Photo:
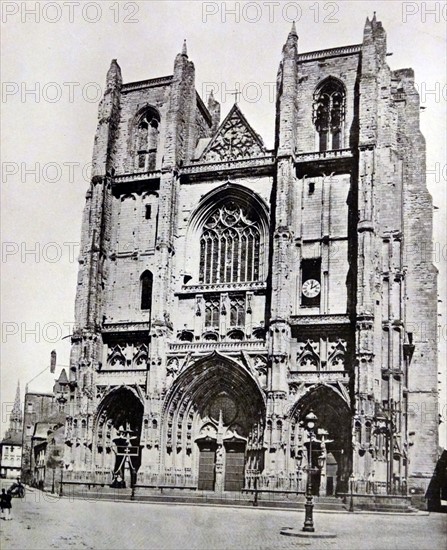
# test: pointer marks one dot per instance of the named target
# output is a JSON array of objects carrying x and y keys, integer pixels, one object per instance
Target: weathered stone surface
[{"x": 233, "y": 351}]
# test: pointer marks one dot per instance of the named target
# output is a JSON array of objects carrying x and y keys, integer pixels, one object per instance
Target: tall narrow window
[
  {"x": 329, "y": 112},
  {"x": 237, "y": 311},
  {"x": 146, "y": 290},
  {"x": 147, "y": 140},
  {"x": 230, "y": 246},
  {"x": 212, "y": 305}
]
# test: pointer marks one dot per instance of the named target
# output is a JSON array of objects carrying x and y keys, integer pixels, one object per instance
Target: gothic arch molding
[
  {"x": 215, "y": 400},
  {"x": 333, "y": 427}
]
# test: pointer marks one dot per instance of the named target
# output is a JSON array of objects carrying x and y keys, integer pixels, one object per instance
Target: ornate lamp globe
[{"x": 310, "y": 420}]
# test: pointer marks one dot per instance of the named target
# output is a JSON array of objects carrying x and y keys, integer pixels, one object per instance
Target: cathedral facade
[{"x": 226, "y": 290}]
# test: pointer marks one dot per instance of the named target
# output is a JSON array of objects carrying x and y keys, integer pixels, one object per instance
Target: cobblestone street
[{"x": 42, "y": 521}]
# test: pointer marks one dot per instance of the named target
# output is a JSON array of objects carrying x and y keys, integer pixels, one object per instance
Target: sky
[{"x": 55, "y": 56}]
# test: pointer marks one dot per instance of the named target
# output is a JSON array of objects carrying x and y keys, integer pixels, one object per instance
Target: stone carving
[
  {"x": 307, "y": 357},
  {"x": 336, "y": 358},
  {"x": 260, "y": 365},
  {"x": 127, "y": 356},
  {"x": 234, "y": 140}
]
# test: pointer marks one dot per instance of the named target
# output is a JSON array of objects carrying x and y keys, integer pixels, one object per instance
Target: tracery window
[
  {"x": 237, "y": 311},
  {"x": 147, "y": 140},
  {"x": 212, "y": 306},
  {"x": 329, "y": 114},
  {"x": 230, "y": 246}
]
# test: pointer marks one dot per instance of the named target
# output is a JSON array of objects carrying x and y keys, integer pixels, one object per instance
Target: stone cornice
[
  {"x": 313, "y": 156},
  {"x": 295, "y": 377},
  {"x": 144, "y": 84},
  {"x": 223, "y": 287},
  {"x": 325, "y": 319},
  {"x": 332, "y": 52},
  {"x": 138, "y": 176},
  {"x": 110, "y": 328},
  {"x": 237, "y": 346},
  {"x": 315, "y": 163},
  {"x": 246, "y": 166}
]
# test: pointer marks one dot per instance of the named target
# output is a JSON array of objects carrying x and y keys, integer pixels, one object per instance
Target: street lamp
[
  {"x": 309, "y": 423},
  {"x": 351, "y": 485}
]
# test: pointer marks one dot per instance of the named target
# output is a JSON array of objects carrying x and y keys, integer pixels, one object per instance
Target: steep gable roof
[{"x": 234, "y": 139}]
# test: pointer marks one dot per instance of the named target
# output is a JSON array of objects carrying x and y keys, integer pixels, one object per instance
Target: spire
[
  {"x": 293, "y": 30},
  {"x": 291, "y": 45},
  {"x": 17, "y": 409},
  {"x": 15, "y": 420},
  {"x": 374, "y": 18},
  {"x": 184, "y": 49}
]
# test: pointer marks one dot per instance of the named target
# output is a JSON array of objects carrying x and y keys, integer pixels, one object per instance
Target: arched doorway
[
  {"x": 331, "y": 456},
  {"x": 117, "y": 436},
  {"x": 213, "y": 425}
]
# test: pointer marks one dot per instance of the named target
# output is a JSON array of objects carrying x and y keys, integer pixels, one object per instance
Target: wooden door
[
  {"x": 207, "y": 467},
  {"x": 234, "y": 466}
]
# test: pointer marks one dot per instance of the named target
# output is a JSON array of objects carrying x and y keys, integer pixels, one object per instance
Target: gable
[{"x": 235, "y": 139}]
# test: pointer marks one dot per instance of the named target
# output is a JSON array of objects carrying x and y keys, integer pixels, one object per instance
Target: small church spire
[
  {"x": 184, "y": 49},
  {"x": 15, "y": 419},
  {"x": 17, "y": 409}
]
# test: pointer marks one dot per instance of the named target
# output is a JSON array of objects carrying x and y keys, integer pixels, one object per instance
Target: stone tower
[{"x": 226, "y": 290}]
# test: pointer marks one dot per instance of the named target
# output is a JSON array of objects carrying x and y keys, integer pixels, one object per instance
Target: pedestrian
[
  {"x": 3, "y": 503},
  {"x": 8, "y": 504}
]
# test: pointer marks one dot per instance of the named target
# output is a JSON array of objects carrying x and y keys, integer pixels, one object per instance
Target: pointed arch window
[
  {"x": 146, "y": 281},
  {"x": 329, "y": 114},
  {"x": 147, "y": 140},
  {"x": 230, "y": 246}
]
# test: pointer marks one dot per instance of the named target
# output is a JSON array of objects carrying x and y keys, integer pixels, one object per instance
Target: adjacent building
[
  {"x": 11, "y": 445},
  {"x": 43, "y": 428},
  {"x": 227, "y": 290}
]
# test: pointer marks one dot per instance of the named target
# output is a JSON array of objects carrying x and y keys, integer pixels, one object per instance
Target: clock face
[{"x": 311, "y": 288}]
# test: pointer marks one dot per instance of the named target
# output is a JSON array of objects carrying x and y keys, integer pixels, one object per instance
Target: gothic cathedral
[{"x": 226, "y": 290}]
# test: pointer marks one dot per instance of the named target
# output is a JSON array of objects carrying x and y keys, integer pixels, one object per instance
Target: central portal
[{"x": 215, "y": 423}]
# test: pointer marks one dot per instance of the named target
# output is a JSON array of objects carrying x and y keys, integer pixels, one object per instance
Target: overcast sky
[{"x": 64, "y": 57}]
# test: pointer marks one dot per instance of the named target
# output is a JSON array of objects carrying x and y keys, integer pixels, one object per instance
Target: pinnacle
[
  {"x": 184, "y": 49},
  {"x": 293, "y": 30}
]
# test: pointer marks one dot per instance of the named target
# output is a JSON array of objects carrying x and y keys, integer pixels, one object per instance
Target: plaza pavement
[{"x": 43, "y": 521}]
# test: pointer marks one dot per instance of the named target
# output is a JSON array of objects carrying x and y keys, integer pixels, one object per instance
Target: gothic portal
[{"x": 227, "y": 290}]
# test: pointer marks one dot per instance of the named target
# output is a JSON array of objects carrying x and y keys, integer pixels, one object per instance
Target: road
[{"x": 42, "y": 521}]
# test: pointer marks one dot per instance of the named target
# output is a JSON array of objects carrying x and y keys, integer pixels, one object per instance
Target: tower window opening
[
  {"x": 146, "y": 290},
  {"x": 329, "y": 114},
  {"x": 147, "y": 140}
]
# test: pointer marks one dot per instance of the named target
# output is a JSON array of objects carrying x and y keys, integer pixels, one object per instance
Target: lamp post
[
  {"x": 351, "y": 485},
  {"x": 61, "y": 491},
  {"x": 309, "y": 423}
]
